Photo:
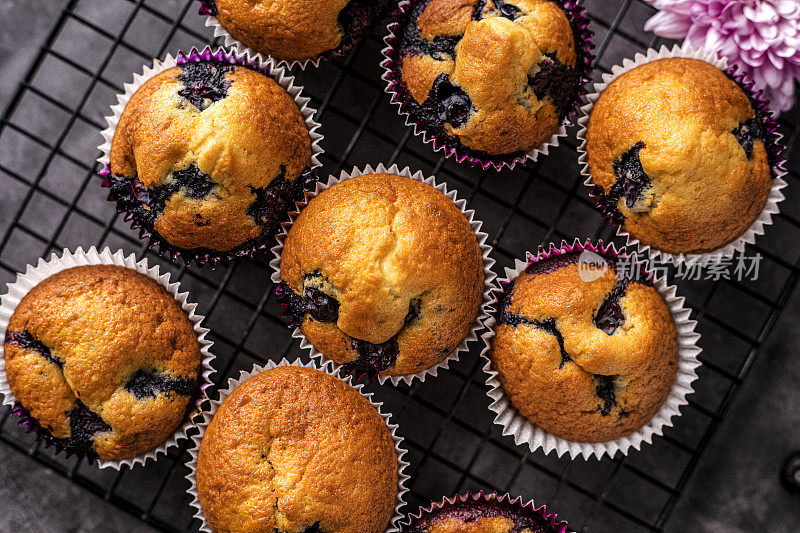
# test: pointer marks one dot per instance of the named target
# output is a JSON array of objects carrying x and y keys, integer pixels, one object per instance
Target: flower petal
[{"x": 669, "y": 25}]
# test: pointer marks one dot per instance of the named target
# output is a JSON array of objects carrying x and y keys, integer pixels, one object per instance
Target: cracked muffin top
[
  {"x": 210, "y": 156},
  {"x": 296, "y": 30},
  {"x": 104, "y": 360},
  {"x": 484, "y": 516},
  {"x": 678, "y": 151},
  {"x": 383, "y": 274},
  {"x": 589, "y": 358},
  {"x": 495, "y": 76},
  {"x": 293, "y": 449}
]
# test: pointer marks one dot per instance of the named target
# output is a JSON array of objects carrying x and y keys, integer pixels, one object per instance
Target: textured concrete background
[{"x": 735, "y": 489}]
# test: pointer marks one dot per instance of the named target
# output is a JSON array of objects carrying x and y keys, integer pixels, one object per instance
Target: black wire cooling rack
[{"x": 53, "y": 199}]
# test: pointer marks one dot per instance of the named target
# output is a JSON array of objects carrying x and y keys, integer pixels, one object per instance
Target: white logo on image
[{"x": 591, "y": 266}]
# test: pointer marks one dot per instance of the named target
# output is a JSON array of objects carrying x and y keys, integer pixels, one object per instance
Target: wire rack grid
[{"x": 52, "y": 199}]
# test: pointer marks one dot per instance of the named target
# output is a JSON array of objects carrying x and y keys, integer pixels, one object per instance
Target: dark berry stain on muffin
[
  {"x": 208, "y": 7},
  {"x": 414, "y": 308},
  {"x": 507, "y": 10},
  {"x": 372, "y": 358},
  {"x": 549, "y": 326},
  {"x": 275, "y": 199},
  {"x": 446, "y": 103},
  {"x": 413, "y": 42},
  {"x": 356, "y": 20},
  {"x": 25, "y": 340},
  {"x": 558, "y": 81},
  {"x": 610, "y": 316},
  {"x": 605, "y": 389},
  {"x": 750, "y": 131},
  {"x": 147, "y": 203},
  {"x": 294, "y": 306},
  {"x": 83, "y": 425},
  {"x": 546, "y": 325},
  {"x": 148, "y": 383},
  {"x": 631, "y": 181},
  {"x": 204, "y": 83},
  {"x": 269, "y": 206},
  {"x": 319, "y": 305},
  {"x": 192, "y": 182}
]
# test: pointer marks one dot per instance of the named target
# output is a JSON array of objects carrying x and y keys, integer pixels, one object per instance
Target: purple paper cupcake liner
[
  {"x": 44, "y": 269},
  {"x": 470, "y": 507},
  {"x": 525, "y": 432},
  {"x": 452, "y": 146},
  {"x": 364, "y": 25},
  {"x": 156, "y": 242},
  {"x": 774, "y": 147}
]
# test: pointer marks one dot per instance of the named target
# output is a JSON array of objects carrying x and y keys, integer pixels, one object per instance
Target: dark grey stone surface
[
  {"x": 736, "y": 487},
  {"x": 23, "y": 26},
  {"x": 34, "y": 498}
]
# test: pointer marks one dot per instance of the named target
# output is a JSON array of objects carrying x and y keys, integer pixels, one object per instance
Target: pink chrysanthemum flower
[{"x": 761, "y": 37}]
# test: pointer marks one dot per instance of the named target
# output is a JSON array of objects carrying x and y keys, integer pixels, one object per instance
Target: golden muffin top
[
  {"x": 104, "y": 359},
  {"x": 293, "y": 448},
  {"x": 497, "y": 76},
  {"x": 678, "y": 153},
  {"x": 383, "y": 273},
  {"x": 586, "y": 358},
  {"x": 210, "y": 156},
  {"x": 296, "y": 30}
]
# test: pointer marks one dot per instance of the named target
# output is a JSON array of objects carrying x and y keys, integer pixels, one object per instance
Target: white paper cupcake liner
[
  {"x": 525, "y": 432},
  {"x": 503, "y": 502},
  {"x": 474, "y": 157},
  {"x": 208, "y": 414},
  {"x": 488, "y": 275},
  {"x": 220, "y": 55},
  {"x": 774, "y": 148},
  {"x": 34, "y": 275}
]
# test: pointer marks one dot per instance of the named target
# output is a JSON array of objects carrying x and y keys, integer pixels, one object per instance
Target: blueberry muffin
[
  {"x": 383, "y": 274},
  {"x": 294, "y": 449},
  {"x": 677, "y": 152},
  {"x": 296, "y": 30},
  {"x": 588, "y": 355},
  {"x": 483, "y": 515},
  {"x": 103, "y": 361},
  {"x": 497, "y": 77},
  {"x": 209, "y": 157}
]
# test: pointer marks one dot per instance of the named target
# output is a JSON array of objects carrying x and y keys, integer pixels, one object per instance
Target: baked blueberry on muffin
[
  {"x": 495, "y": 77},
  {"x": 209, "y": 157},
  {"x": 383, "y": 274},
  {"x": 676, "y": 150},
  {"x": 102, "y": 361},
  {"x": 294, "y": 449},
  {"x": 588, "y": 354},
  {"x": 296, "y": 30},
  {"x": 483, "y": 514}
]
